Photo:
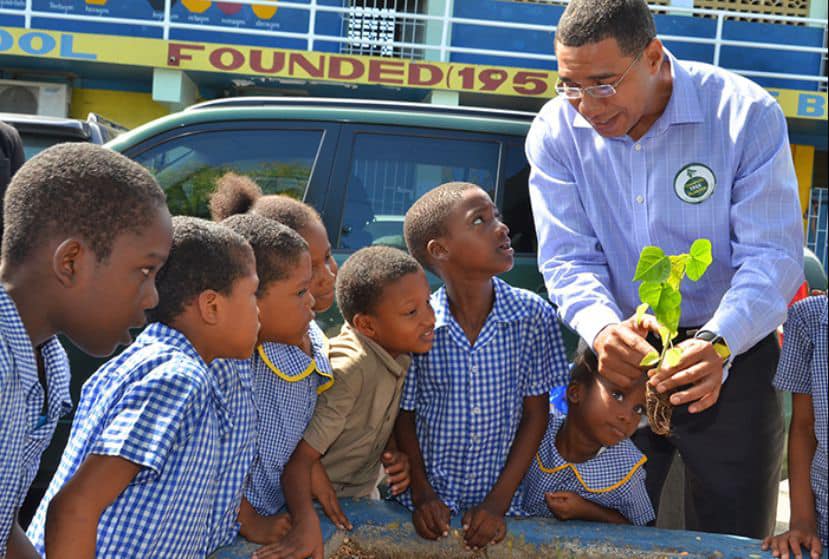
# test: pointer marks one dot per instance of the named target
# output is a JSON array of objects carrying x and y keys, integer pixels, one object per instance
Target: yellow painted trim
[
  {"x": 621, "y": 482},
  {"x": 804, "y": 166}
]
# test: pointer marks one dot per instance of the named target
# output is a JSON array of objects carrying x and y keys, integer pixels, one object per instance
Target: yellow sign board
[{"x": 318, "y": 66}]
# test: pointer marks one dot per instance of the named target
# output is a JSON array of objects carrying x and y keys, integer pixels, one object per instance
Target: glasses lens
[
  {"x": 568, "y": 92},
  {"x": 604, "y": 90}
]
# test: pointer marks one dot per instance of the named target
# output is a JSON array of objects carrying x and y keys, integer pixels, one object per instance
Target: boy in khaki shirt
[{"x": 383, "y": 295}]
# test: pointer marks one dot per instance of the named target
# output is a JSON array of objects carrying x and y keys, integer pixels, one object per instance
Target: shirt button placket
[{"x": 638, "y": 186}]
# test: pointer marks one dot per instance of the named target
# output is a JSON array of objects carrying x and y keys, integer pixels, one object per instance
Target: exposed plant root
[{"x": 659, "y": 411}]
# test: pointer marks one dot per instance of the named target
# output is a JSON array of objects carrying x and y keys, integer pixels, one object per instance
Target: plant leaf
[
  {"x": 640, "y": 313},
  {"x": 667, "y": 308},
  {"x": 653, "y": 265},
  {"x": 665, "y": 335},
  {"x": 673, "y": 356},
  {"x": 700, "y": 259},
  {"x": 649, "y": 360},
  {"x": 723, "y": 351},
  {"x": 678, "y": 263}
]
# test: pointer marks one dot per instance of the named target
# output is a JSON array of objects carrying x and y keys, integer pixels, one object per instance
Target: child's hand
[
  {"x": 323, "y": 491},
  {"x": 302, "y": 541},
  {"x": 483, "y": 526},
  {"x": 566, "y": 505},
  {"x": 431, "y": 519},
  {"x": 794, "y": 539},
  {"x": 396, "y": 465}
]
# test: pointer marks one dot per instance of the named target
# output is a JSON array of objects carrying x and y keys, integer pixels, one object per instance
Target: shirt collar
[
  {"x": 683, "y": 106},
  {"x": 18, "y": 341},
  {"x": 504, "y": 308},
  {"x": 56, "y": 365},
  {"x": 397, "y": 366}
]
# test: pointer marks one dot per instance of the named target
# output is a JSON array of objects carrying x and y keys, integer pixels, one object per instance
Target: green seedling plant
[{"x": 661, "y": 276}]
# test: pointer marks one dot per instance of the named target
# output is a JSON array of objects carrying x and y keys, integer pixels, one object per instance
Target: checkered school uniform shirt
[
  {"x": 614, "y": 478},
  {"x": 238, "y": 448},
  {"x": 468, "y": 400},
  {"x": 26, "y": 429},
  {"x": 158, "y": 406},
  {"x": 286, "y": 382},
  {"x": 803, "y": 369}
]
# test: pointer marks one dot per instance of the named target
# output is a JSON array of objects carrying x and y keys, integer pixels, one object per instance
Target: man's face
[{"x": 604, "y": 63}]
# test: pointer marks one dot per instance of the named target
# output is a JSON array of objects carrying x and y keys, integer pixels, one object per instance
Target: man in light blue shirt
[{"x": 641, "y": 149}]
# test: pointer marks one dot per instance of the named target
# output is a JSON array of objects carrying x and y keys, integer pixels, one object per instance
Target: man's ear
[
  {"x": 575, "y": 391},
  {"x": 68, "y": 261},
  {"x": 364, "y": 324},
  {"x": 209, "y": 304},
  {"x": 436, "y": 250},
  {"x": 654, "y": 55}
]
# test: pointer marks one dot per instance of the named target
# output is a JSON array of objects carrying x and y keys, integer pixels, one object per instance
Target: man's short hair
[
  {"x": 204, "y": 255},
  {"x": 277, "y": 247},
  {"x": 590, "y": 21},
  {"x": 77, "y": 189},
  {"x": 366, "y": 273},
  {"x": 427, "y": 218}
]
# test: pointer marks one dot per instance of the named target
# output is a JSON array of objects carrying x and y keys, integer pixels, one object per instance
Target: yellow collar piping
[
  {"x": 616, "y": 485},
  {"x": 311, "y": 368}
]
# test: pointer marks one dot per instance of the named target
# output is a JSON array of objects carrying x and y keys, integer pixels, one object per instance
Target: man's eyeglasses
[{"x": 595, "y": 91}]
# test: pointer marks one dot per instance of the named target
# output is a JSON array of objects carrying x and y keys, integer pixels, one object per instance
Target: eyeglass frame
[{"x": 561, "y": 89}]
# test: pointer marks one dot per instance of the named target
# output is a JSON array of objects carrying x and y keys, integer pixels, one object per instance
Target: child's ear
[
  {"x": 68, "y": 261},
  {"x": 209, "y": 303},
  {"x": 364, "y": 324},
  {"x": 574, "y": 393},
  {"x": 436, "y": 250}
]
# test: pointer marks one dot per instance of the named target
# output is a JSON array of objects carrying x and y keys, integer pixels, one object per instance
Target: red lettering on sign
[
  {"x": 377, "y": 69},
  {"x": 277, "y": 62},
  {"x": 337, "y": 68},
  {"x": 424, "y": 75},
  {"x": 176, "y": 54},
  {"x": 298, "y": 59},
  {"x": 237, "y": 59}
]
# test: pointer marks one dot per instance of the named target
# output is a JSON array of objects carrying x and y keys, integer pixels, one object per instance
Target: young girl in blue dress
[{"x": 586, "y": 467}]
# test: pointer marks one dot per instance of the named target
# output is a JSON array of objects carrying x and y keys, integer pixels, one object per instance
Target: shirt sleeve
[
  {"x": 153, "y": 417},
  {"x": 570, "y": 256},
  {"x": 793, "y": 370},
  {"x": 408, "y": 398},
  {"x": 634, "y": 503},
  {"x": 334, "y": 405},
  {"x": 12, "y": 436},
  {"x": 548, "y": 358},
  {"x": 766, "y": 232}
]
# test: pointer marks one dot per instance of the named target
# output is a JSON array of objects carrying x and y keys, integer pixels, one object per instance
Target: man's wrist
[{"x": 719, "y": 343}]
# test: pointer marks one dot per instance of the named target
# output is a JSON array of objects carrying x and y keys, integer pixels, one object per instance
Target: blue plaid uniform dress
[
  {"x": 237, "y": 448},
  {"x": 286, "y": 382},
  {"x": 803, "y": 369},
  {"x": 614, "y": 478},
  {"x": 25, "y": 430},
  {"x": 468, "y": 400},
  {"x": 158, "y": 406}
]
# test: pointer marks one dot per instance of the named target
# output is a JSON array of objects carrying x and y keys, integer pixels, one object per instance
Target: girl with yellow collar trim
[{"x": 586, "y": 467}]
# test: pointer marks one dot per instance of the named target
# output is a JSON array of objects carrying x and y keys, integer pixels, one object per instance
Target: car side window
[
  {"x": 389, "y": 172},
  {"x": 187, "y": 166},
  {"x": 515, "y": 202}
]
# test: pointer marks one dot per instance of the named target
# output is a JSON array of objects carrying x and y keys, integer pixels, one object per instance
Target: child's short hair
[
  {"x": 204, "y": 256},
  {"x": 237, "y": 194},
  {"x": 585, "y": 365},
  {"x": 427, "y": 218},
  {"x": 77, "y": 189},
  {"x": 364, "y": 275},
  {"x": 277, "y": 247}
]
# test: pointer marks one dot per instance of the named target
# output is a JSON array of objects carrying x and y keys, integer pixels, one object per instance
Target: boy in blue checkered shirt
[
  {"x": 475, "y": 407},
  {"x": 85, "y": 232},
  {"x": 803, "y": 371},
  {"x": 586, "y": 467},
  {"x": 156, "y": 460}
]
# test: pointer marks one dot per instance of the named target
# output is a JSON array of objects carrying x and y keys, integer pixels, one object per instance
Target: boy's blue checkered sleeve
[
  {"x": 794, "y": 367},
  {"x": 12, "y": 437},
  {"x": 408, "y": 399},
  {"x": 548, "y": 365},
  {"x": 152, "y": 417}
]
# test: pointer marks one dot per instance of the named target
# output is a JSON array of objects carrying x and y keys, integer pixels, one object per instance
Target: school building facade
[{"x": 135, "y": 60}]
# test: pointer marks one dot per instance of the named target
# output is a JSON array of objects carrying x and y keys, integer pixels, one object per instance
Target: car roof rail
[{"x": 266, "y": 101}]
